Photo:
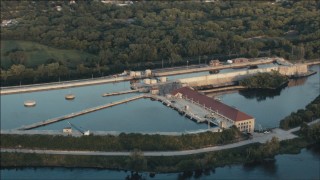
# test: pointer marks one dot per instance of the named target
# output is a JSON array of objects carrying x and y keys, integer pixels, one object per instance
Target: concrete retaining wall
[{"x": 236, "y": 76}]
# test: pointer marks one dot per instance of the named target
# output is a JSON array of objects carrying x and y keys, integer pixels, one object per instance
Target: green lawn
[{"x": 37, "y": 54}]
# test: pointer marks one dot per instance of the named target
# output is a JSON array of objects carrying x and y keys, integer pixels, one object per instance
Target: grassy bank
[
  {"x": 155, "y": 164},
  {"x": 240, "y": 155},
  {"x": 123, "y": 142},
  {"x": 138, "y": 162}
]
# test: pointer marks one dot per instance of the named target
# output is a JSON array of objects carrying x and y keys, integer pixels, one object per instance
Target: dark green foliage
[
  {"x": 267, "y": 150},
  {"x": 154, "y": 164},
  {"x": 143, "y": 34},
  {"x": 296, "y": 119},
  {"x": 311, "y": 133},
  {"x": 265, "y": 80},
  {"x": 245, "y": 154},
  {"x": 123, "y": 142}
]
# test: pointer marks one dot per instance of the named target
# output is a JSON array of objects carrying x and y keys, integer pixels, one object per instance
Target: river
[
  {"x": 304, "y": 165},
  {"x": 269, "y": 108},
  {"x": 147, "y": 116}
]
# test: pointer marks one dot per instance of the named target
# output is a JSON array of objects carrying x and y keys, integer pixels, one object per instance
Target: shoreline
[
  {"x": 241, "y": 150},
  {"x": 107, "y": 79}
]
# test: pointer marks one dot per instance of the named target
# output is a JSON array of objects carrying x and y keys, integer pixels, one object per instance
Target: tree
[
  {"x": 17, "y": 70},
  {"x": 137, "y": 161},
  {"x": 4, "y": 75}
]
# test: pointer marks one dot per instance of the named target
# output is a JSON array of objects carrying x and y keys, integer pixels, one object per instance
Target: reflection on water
[
  {"x": 314, "y": 150},
  {"x": 297, "y": 82},
  {"x": 269, "y": 166},
  {"x": 260, "y": 95},
  {"x": 304, "y": 165},
  {"x": 269, "y": 108},
  {"x": 263, "y": 94}
]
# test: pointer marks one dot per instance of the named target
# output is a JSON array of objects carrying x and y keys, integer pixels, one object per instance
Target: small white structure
[
  {"x": 153, "y": 81},
  {"x": 229, "y": 61},
  {"x": 59, "y": 8},
  {"x": 169, "y": 96},
  {"x": 147, "y": 81},
  {"x": 132, "y": 74},
  {"x": 163, "y": 79},
  {"x": 138, "y": 73},
  {"x": 148, "y": 72},
  {"x": 70, "y": 97},
  {"x": 67, "y": 130},
  {"x": 30, "y": 103},
  {"x": 154, "y": 91},
  {"x": 86, "y": 133},
  {"x": 135, "y": 73}
]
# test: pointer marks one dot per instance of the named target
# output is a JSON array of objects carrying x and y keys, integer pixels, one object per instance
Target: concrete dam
[{"x": 227, "y": 78}]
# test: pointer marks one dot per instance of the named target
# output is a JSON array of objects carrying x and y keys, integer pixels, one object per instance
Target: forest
[
  {"x": 124, "y": 142},
  {"x": 144, "y": 34},
  {"x": 301, "y": 116}
]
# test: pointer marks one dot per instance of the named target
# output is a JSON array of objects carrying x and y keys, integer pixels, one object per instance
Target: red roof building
[{"x": 242, "y": 120}]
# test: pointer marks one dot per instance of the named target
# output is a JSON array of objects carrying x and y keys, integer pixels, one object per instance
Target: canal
[
  {"x": 145, "y": 115},
  {"x": 270, "y": 107},
  {"x": 151, "y": 116}
]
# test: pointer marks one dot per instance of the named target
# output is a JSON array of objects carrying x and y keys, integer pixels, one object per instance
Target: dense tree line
[
  {"x": 272, "y": 80},
  {"x": 145, "y": 33},
  {"x": 295, "y": 119},
  {"x": 311, "y": 133},
  {"x": 123, "y": 142},
  {"x": 267, "y": 150},
  {"x": 199, "y": 163}
]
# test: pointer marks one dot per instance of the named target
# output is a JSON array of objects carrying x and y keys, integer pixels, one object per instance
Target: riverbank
[
  {"x": 239, "y": 155},
  {"x": 165, "y": 161}
]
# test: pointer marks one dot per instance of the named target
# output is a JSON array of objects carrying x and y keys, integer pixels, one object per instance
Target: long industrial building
[{"x": 243, "y": 121}]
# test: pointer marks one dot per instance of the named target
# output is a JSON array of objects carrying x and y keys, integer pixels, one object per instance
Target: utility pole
[
  {"x": 162, "y": 63},
  {"x": 199, "y": 59}
]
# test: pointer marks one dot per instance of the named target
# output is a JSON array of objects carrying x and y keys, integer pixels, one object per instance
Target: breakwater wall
[{"x": 216, "y": 79}]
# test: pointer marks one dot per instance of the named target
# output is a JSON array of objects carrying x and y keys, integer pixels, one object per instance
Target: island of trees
[
  {"x": 58, "y": 40},
  {"x": 271, "y": 81}
]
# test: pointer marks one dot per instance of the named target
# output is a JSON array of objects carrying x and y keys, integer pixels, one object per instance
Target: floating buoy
[
  {"x": 70, "y": 97},
  {"x": 29, "y": 103}
]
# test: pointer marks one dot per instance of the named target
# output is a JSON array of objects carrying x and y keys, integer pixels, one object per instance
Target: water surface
[{"x": 304, "y": 165}]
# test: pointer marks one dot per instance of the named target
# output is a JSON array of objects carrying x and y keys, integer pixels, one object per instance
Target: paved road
[
  {"x": 261, "y": 138},
  {"x": 110, "y": 79}
]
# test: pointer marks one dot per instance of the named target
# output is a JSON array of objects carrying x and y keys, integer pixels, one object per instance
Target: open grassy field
[{"x": 36, "y": 54}]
